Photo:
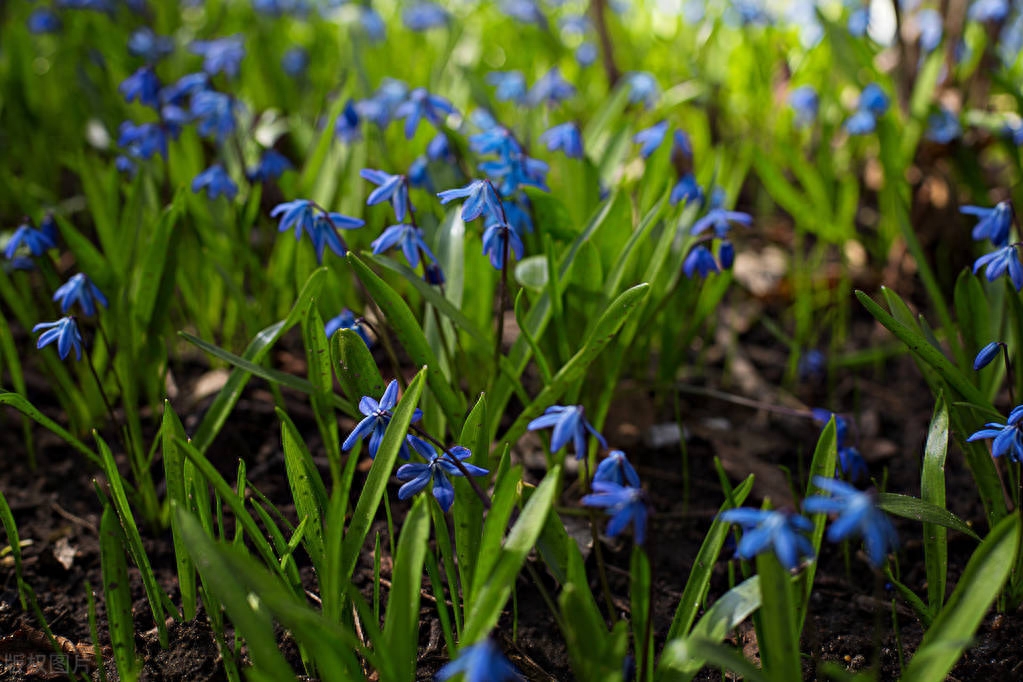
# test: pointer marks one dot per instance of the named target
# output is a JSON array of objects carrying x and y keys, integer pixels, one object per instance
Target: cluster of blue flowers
[
  {"x": 994, "y": 225},
  {"x": 1008, "y": 437}
]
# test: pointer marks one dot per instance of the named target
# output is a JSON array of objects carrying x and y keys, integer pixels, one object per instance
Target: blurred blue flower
[
  {"x": 518, "y": 214},
  {"x": 570, "y": 425},
  {"x": 526, "y": 11},
  {"x": 346, "y": 320},
  {"x": 873, "y": 99},
  {"x": 565, "y": 137},
  {"x": 347, "y": 125},
  {"x": 439, "y": 149},
  {"x": 372, "y": 23},
  {"x": 643, "y": 88},
  {"x": 389, "y": 187},
  {"x": 81, "y": 290},
  {"x": 215, "y": 112},
  {"x": 999, "y": 262},
  {"x": 220, "y": 55},
  {"x": 852, "y": 464},
  {"x": 480, "y": 662},
  {"x": 931, "y": 26},
  {"x": 421, "y": 104},
  {"x": 615, "y": 468},
  {"x": 511, "y": 85},
  {"x": 497, "y": 239},
  {"x": 494, "y": 140},
  {"x": 271, "y": 166},
  {"x": 986, "y": 355},
  {"x": 145, "y": 43},
  {"x": 651, "y": 138},
  {"x": 943, "y": 126},
  {"x": 480, "y": 200},
  {"x": 419, "y": 174},
  {"x": 187, "y": 85},
  {"x": 36, "y": 241},
  {"x": 43, "y": 20},
  {"x": 408, "y": 238},
  {"x": 384, "y": 102},
  {"x": 142, "y": 85},
  {"x": 586, "y": 54},
  {"x": 726, "y": 254},
  {"x": 778, "y": 531},
  {"x": 1008, "y": 437},
  {"x": 994, "y": 223},
  {"x": 550, "y": 89},
  {"x": 682, "y": 145},
  {"x": 422, "y": 16},
  {"x": 144, "y": 140},
  {"x": 859, "y": 20},
  {"x": 861, "y": 123},
  {"x": 700, "y": 260},
  {"x": 822, "y": 417},
  {"x": 812, "y": 365},
  {"x": 295, "y": 61},
  {"x": 417, "y": 476},
  {"x": 377, "y": 417},
  {"x": 625, "y": 504},
  {"x": 805, "y": 102},
  {"x": 125, "y": 165},
  {"x": 857, "y": 515},
  {"x": 721, "y": 221},
  {"x": 988, "y": 10},
  {"x": 64, "y": 332},
  {"x": 215, "y": 181},
  {"x": 686, "y": 189}
]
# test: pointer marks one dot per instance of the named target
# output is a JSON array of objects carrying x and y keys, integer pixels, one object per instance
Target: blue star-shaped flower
[
  {"x": 642, "y": 88},
  {"x": 215, "y": 113},
  {"x": 615, "y": 468},
  {"x": 999, "y": 262},
  {"x": 81, "y": 290},
  {"x": 36, "y": 241},
  {"x": 857, "y": 515},
  {"x": 408, "y": 237},
  {"x": 651, "y": 138},
  {"x": 143, "y": 85},
  {"x": 1008, "y": 437},
  {"x": 377, "y": 417},
  {"x": 700, "y": 260},
  {"x": 570, "y": 424},
  {"x": 686, "y": 189},
  {"x": 510, "y": 85},
  {"x": 271, "y": 166},
  {"x": 481, "y": 200},
  {"x": 994, "y": 223},
  {"x": 389, "y": 186},
  {"x": 144, "y": 140},
  {"x": 417, "y": 476},
  {"x": 480, "y": 662},
  {"x": 145, "y": 43},
  {"x": 322, "y": 227},
  {"x": 421, "y": 104},
  {"x": 64, "y": 332},
  {"x": 764, "y": 529},
  {"x": 551, "y": 89},
  {"x": 187, "y": 85},
  {"x": 215, "y": 181},
  {"x": 346, "y": 320},
  {"x": 625, "y": 504},
  {"x": 497, "y": 239},
  {"x": 220, "y": 55},
  {"x": 721, "y": 220},
  {"x": 565, "y": 137}
]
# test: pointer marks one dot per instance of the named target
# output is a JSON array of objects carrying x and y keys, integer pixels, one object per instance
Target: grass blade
[
  {"x": 932, "y": 490},
  {"x": 306, "y": 488},
  {"x": 401, "y": 624},
  {"x": 117, "y": 594},
  {"x": 174, "y": 473}
]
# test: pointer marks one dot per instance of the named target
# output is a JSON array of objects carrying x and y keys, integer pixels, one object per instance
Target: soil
[{"x": 854, "y": 620}]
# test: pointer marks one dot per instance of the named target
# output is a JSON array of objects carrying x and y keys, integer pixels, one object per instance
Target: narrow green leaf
[
  {"x": 21, "y": 404},
  {"x": 401, "y": 623},
  {"x": 824, "y": 463},
  {"x": 307, "y": 488},
  {"x": 467, "y": 515},
  {"x": 506, "y": 494},
  {"x": 117, "y": 594},
  {"x": 642, "y": 628},
  {"x": 596, "y": 655},
  {"x": 915, "y": 509},
  {"x": 154, "y": 260},
  {"x": 174, "y": 473},
  {"x": 932, "y": 491},
  {"x": 778, "y": 631},
  {"x": 322, "y": 379},
  {"x": 355, "y": 367}
]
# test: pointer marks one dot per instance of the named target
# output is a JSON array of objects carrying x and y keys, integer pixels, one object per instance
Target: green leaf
[
  {"x": 531, "y": 272},
  {"x": 640, "y": 615},
  {"x": 306, "y": 488},
  {"x": 825, "y": 459},
  {"x": 506, "y": 494},
  {"x": 932, "y": 491},
  {"x": 117, "y": 594},
  {"x": 401, "y": 624},
  {"x": 151, "y": 270},
  {"x": 21, "y": 404},
  {"x": 778, "y": 625},
  {"x": 952, "y": 631},
  {"x": 322, "y": 379},
  {"x": 355, "y": 367},
  {"x": 915, "y": 509},
  {"x": 494, "y": 593},
  {"x": 174, "y": 473},
  {"x": 596, "y": 654},
  {"x": 467, "y": 515}
]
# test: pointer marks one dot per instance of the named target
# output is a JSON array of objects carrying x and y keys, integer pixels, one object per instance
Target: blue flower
[
  {"x": 783, "y": 533},
  {"x": 569, "y": 424},
  {"x": 511, "y": 85},
  {"x": 215, "y": 181},
  {"x": 720, "y": 220},
  {"x": 1008, "y": 437},
  {"x": 822, "y": 417},
  {"x": 43, "y": 20},
  {"x": 551, "y": 89},
  {"x": 701, "y": 260},
  {"x": 726, "y": 255},
  {"x": 852, "y": 464},
  {"x": 408, "y": 237},
  {"x": 372, "y": 23},
  {"x": 615, "y": 468},
  {"x": 220, "y": 55},
  {"x": 65, "y": 332},
  {"x": 526, "y": 11},
  {"x": 859, "y": 20},
  {"x": 625, "y": 504},
  {"x": 812, "y": 365},
  {"x": 480, "y": 662},
  {"x": 271, "y": 166},
  {"x": 586, "y": 54},
  {"x": 986, "y": 355},
  {"x": 651, "y": 138},
  {"x": 421, "y": 104},
  {"x": 295, "y": 61},
  {"x": 988, "y": 10},
  {"x": 144, "y": 140},
  {"x": 682, "y": 145},
  {"x": 943, "y": 126},
  {"x": 857, "y": 515},
  {"x": 516, "y": 170},
  {"x": 384, "y": 103},
  {"x": 300, "y": 214},
  {"x": 498, "y": 238},
  {"x": 215, "y": 112},
  {"x": 1000, "y": 261},
  {"x": 347, "y": 125},
  {"x": 80, "y": 289},
  {"x": 642, "y": 88},
  {"x": 564, "y": 137},
  {"x": 495, "y": 139},
  {"x": 142, "y": 85},
  {"x": 481, "y": 200},
  {"x": 187, "y": 85},
  {"x": 439, "y": 148},
  {"x": 994, "y": 223},
  {"x": 36, "y": 241},
  {"x": 873, "y": 99},
  {"x": 931, "y": 25},
  {"x": 392, "y": 187},
  {"x": 145, "y": 43},
  {"x": 377, "y": 417},
  {"x": 861, "y": 123},
  {"x": 419, "y": 174},
  {"x": 322, "y": 227},
  {"x": 417, "y": 476},
  {"x": 346, "y": 320},
  {"x": 422, "y": 16},
  {"x": 804, "y": 102},
  {"x": 686, "y": 189}
]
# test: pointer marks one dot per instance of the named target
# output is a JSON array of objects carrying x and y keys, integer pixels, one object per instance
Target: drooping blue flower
[
  {"x": 642, "y": 88},
  {"x": 510, "y": 85},
  {"x": 220, "y": 55},
  {"x": 417, "y": 476},
  {"x": 480, "y": 662},
  {"x": 144, "y": 140},
  {"x": 43, "y": 20},
  {"x": 514, "y": 171},
  {"x": 721, "y": 221},
  {"x": 994, "y": 223},
  {"x": 517, "y": 213},
  {"x": 346, "y": 320},
  {"x": 498, "y": 239},
  {"x": 852, "y": 464},
  {"x": 565, "y": 137},
  {"x": 1008, "y": 437},
  {"x": 615, "y": 468},
  {"x": 686, "y": 189},
  {"x": 822, "y": 417},
  {"x": 421, "y": 104},
  {"x": 215, "y": 112},
  {"x": 187, "y": 85},
  {"x": 271, "y": 166},
  {"x": 1005, "y": 259},
  {"x": 36, "y": 241},
  {"x": 299, "y": 214},
  {"x": 64, "y": 332},
  {"x": 143, "y": 85},
  {"x": 408, "y": 238},
  {"x": 481, "y": 200},
  {"x": 145, "y": 43},
  {"x": 932, "y": 26},
  {"x": 651, "y": 138},
  {"x": 419, "y": 174},
  {"x": 726, "y": 255},
  {"x": 857, "y": 515},
  {"x": 778, "y": 531},
  {"x": 295, "y": 61},
  {"x": 215, "y": 181},
  {"x": 805, "y": 102},
  {"x": 347, "y": 127},
  {"x": 570, "y": 425},
  {"x": 550, "y": 89},
  {"x": 700, "y": 260},
  {"x": 439, "y": 148},
  {"x": 422, "y": 16},
  {"x": 681, "y": 145},
  {"x": 384, "y": 103},
  {"x": 322, "y": 227},
  {"x": 625, "y": 504},
  {"x": 377, "y": 417},
  {"x": 81, "y": 290},
  {"x": 986, "y": 355},
  {"x": 943, "y": 126},
  {"x": 389, "y": 187}
]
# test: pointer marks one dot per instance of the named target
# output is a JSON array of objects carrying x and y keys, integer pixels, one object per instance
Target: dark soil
[{"x": 851, "y": 618}]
